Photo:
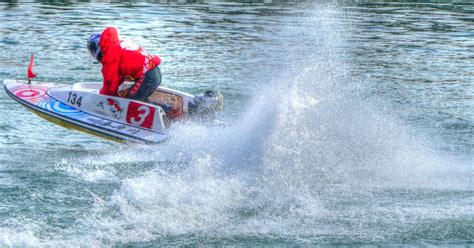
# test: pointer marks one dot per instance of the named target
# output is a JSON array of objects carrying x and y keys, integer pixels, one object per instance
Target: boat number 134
[{"x": 73, "y": 99}]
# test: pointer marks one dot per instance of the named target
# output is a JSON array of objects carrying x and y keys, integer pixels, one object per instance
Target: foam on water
[{"x": 310, "y": 160}]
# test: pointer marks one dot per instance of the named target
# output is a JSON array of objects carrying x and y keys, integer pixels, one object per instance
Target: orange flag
[{"x": 30, "y": 68}]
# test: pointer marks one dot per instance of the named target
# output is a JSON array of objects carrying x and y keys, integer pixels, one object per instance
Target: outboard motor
[{"x": 207, "y": 104}]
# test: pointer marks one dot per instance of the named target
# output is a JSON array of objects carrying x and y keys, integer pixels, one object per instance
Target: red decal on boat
[
  {"x": 114, "y": 104},
  {"x": 29, "y": 93},
  {"x": 140, "y": 115}
]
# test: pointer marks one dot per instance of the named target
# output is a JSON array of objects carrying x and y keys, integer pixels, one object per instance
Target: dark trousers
[{"x": 151, "y": 81}]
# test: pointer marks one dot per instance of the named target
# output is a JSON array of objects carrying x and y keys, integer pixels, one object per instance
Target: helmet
[{"x": 93, "y": 46}]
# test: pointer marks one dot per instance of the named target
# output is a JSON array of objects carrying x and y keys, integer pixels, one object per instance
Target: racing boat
[{"x": 80, "y": 106}]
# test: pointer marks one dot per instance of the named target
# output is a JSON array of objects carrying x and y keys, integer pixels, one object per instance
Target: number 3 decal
[{"x": 140, "y": 115}]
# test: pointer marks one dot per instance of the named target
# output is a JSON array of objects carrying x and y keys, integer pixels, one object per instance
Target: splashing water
[
  {"x": 313, "y": 160},
  {"x": 310, "y": 161}
]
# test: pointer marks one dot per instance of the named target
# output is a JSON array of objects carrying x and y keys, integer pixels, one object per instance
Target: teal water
[{"x": 352, "y": 124}]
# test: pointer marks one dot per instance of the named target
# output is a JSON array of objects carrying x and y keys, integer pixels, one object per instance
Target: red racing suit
[{"x": 123, "y": 60}]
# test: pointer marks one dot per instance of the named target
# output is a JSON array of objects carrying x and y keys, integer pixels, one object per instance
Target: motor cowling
[{"x": 208, "y": 103}]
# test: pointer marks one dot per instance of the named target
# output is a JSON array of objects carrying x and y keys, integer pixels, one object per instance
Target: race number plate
[{"x": 140, "y": 115}]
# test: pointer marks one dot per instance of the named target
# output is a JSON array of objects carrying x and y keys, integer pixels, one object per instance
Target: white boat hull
[{"x": 80, "y": 107}]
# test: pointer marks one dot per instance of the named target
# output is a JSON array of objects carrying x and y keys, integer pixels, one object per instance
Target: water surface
[{"x": 351, "y": 124}]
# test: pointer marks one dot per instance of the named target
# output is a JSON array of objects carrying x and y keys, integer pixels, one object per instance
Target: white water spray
[{"x": 310, "y": 159}]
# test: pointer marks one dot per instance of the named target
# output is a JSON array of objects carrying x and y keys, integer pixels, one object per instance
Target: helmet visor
[{"x": 93, "y": 46}]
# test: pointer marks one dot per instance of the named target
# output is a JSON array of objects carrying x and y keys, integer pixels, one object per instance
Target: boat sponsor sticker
[
  {"x": 140, "y": 115},
  {"x": 110, "y": 105}
]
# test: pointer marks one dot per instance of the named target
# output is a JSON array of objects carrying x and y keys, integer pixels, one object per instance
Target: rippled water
[{"x": 351, "y": 124}]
